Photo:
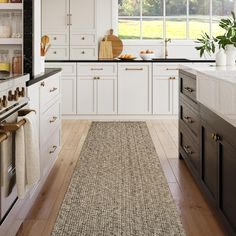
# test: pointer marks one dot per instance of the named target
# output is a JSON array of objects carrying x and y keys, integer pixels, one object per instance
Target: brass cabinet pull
[
  {"x": 96, "y": 78},
  {"x": 215, "y": 137},
  {"x": 53, "y": 90},
  {"x": 54, "y": 118},
  {"x": 54, "y": 149},
  {"x": 188, "y": 119},
  {"x": 133, "y": 68},
  {"x": 172, "y": 69},
  {"x": 4, "y": 136},
  {"x": 96, "y": 68},
  {"x": 188, "y": 150},
  {"x": 190, "y": 90}
]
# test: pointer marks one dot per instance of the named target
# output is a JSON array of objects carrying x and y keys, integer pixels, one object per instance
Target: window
[{"x": 176, "y": 19}]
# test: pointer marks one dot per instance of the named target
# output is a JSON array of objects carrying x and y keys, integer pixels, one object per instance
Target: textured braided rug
[{"x": 118, "y": 187}]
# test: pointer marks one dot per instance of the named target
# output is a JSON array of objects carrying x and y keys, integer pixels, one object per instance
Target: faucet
[{"x": 166, "y": 51}]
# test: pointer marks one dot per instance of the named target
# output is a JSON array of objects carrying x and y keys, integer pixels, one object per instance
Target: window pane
[
  {"x": 199, "y": 7},
  {"x": 216, "y": 29},
  {"x": 197, "y": 27},
  {"x": 152, "y": 7},
  {"x": 223, "y": 7},
  {"x": 152, "y": 28},
  {"x": 129, "y": 7},
  {"x": 129, "y": 28},
  {"x": 176, "y": 7},
  {"x": 176, "y": 28}
]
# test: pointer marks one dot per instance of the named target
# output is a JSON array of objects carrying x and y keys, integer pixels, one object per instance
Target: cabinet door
[
  {"x": 68, "y": 95},
  {"x": 106, "y": 95},
  {"x": 227, "y": 177},
  {"x": 134, "y": 88},
  {"x": 83, "y": 15},
  {"x": 210, "y": 161},
  {"x": 86, "y": 95},
  {"x": 162, "y": 96},
  {"x": 55, "y": 20}
]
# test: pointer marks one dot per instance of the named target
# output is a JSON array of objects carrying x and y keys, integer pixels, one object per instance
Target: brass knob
[
  {"x": 4, "y": 101},
  {"x": 83, "y": 52},
  {"x": 22, "y": 92},
  {"x": 55, "y": 52},
  {"x": 55, "y": 38},
  {"x": 16, "y": 96},
  {"x": 42, "y": 84},
  {"x": 83, "y": 38}
]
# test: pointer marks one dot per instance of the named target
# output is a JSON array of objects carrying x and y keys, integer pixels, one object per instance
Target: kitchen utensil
[
  {"x": 45, "y": 45},
  {"x": 105, "y": 50},
  {"x": 117, "y": 45}
]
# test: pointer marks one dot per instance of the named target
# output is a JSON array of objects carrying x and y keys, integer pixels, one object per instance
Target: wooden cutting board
[
  {"x": 105, "y": 49},
  {"x": 117, "y": 44}
]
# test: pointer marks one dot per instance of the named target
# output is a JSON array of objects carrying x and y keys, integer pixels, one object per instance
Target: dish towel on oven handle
[{"x": 27, "y": 155}]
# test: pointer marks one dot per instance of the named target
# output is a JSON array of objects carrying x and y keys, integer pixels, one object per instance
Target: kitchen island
[{"x": 207, "y": 132}]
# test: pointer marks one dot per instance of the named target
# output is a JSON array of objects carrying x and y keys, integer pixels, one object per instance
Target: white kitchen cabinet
[
  {"x": 72, "y": 29},
  {"x": 135, "y": 88},
  {"x": 97, "y": 88},
  {"x": 68, "y": 87},
  {"x": 86, "y": 96},
  {"x": 96, "y": 95},
  {"x": 165, "y": 89}
]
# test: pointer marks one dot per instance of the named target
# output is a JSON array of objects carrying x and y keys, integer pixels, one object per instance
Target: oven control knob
[
  {"x": 4, "y": 101},
  {"x": 10, "y": 96},
  {"x": 22, "y": 92},
  {"x": 16, "y": 96}
]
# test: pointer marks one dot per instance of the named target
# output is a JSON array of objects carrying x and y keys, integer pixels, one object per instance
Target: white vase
[
  {"x": 42, "y": 65},
  {"x": 221, "y": 57},
  {"x": 230, "y": 55}
]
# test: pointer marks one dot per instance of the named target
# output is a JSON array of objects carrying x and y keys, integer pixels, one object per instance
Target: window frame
[{"x": 141, "y": 41}]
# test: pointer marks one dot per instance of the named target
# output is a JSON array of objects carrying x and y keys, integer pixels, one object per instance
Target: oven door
[{"x": 7, "y": 169}]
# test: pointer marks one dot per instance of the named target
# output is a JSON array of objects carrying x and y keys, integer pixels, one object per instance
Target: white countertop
[{"x": 216, "y": 88}]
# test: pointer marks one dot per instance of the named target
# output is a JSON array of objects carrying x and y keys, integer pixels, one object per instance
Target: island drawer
[
  {"x": 188, "y": 86},
  {"x": 190, "y": 117},
  {"x": 188, "y": 144}
]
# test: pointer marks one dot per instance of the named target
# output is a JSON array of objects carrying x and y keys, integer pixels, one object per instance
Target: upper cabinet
[{"x": 71, "y": 28}]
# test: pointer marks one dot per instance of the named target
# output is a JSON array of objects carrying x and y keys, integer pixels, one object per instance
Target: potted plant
[{"x": 226, "y": 42}]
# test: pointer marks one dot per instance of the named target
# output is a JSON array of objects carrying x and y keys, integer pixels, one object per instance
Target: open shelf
[
  {"x": 11, "y": 41},
  {"x": 11, "y": 6}
]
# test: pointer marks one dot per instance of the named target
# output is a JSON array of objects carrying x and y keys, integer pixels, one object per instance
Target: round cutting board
[{"x": 117, "y": 44}]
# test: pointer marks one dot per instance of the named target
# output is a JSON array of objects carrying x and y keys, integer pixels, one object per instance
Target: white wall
[{"x": 176, "y": 49}]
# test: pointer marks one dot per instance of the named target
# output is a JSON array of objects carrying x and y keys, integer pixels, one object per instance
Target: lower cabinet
[
  {"x": 209, "y": 151},
  {"x": 96, "y": 95},
  {"x": 135, "y": 88}
]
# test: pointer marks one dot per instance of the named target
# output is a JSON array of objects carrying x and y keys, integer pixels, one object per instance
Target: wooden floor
[{"x": 198, "y": 219}]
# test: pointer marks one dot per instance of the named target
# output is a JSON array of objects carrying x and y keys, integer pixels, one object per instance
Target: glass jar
[
  {"x": 4, "y": 63},
  {"x": 5, "y": 25},
  {"x": 16, "y": 25},
  {"x": 17, "y": 62}
]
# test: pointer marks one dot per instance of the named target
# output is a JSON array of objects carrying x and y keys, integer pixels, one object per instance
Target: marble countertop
[{"x": 216, "y": 88}]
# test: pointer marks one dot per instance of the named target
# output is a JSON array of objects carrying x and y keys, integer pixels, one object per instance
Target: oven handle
[
  {"x": 4, "y": 136},
  {"x": 11, "y": 127},
  {"x": 11, "y": 171}
]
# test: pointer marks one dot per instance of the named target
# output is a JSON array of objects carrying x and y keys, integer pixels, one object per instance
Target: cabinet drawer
[
  {"x": 96, "y": 69},
  {"x": 49, "y": 89},
  {"x": 166, "y": 70},
  {"x": 190, "y": 118},
  {"x": 68, "y": 69},
  {"x": 188, "y": 86},
  {"x": 83, "y": 39},
  {"x": 49, "y": 121},
  {"x": 82, "y": 53},
  {"x": 58, "y": 53},
  {"x": 188, "y": 144},
  {"x": 58, "y": 39},
  {"x": 50, "y": 150}
]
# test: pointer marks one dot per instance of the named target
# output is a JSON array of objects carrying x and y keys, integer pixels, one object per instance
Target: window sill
[{"x": 158, "y": 42}]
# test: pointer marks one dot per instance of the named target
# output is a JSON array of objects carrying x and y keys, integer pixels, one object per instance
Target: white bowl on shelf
[{"x": 147, "y": 56}]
